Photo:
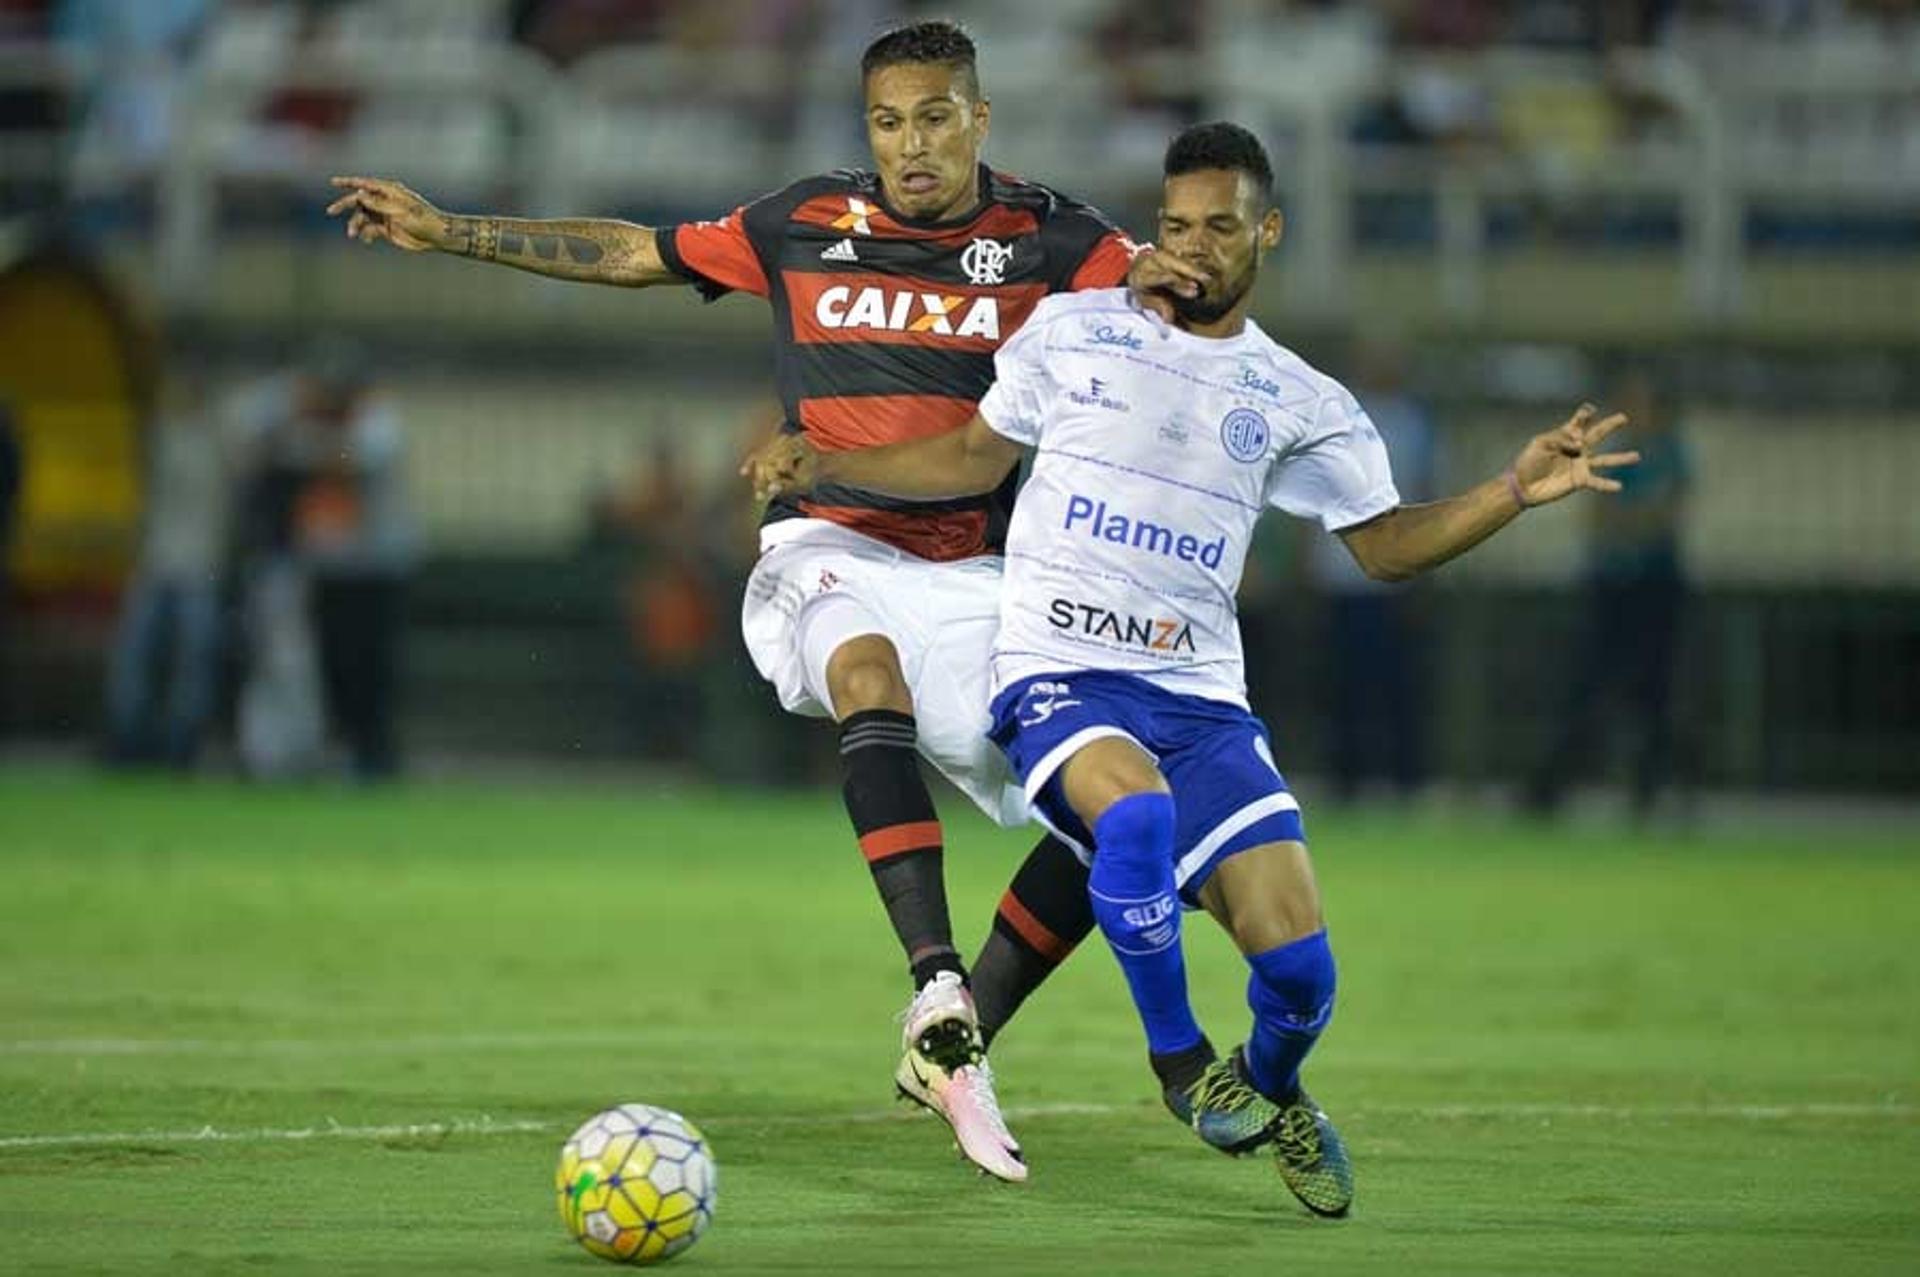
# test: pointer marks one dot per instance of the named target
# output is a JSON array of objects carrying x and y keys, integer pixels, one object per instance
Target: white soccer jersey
[{"x": 1155, "y": 453}]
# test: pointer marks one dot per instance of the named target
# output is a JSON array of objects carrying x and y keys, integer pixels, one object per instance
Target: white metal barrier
[{"x": 626, "y": 124}]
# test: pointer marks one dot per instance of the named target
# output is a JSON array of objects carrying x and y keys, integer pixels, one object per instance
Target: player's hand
[
  {"x": 1156, "y": 277},
  {"x": 784, "y": 464},
  {"x": 1562, "y": 461},
  {"x": 378, "y": 209}
]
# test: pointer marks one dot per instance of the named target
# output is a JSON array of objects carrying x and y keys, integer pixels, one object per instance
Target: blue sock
[
  {"x": 1131, "y": 887},
  {"x": 1291, "y": 993}
]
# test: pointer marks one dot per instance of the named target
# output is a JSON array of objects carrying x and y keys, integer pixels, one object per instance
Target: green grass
[{"x": 1555, "y": 1053}]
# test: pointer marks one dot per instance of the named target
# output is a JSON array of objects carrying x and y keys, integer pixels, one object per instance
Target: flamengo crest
[{"x": 985, "y": 261}]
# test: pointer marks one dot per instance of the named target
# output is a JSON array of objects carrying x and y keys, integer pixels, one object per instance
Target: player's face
[
  {"x": 1216, "y": 220},
  {"x": 926, "y": 133}
]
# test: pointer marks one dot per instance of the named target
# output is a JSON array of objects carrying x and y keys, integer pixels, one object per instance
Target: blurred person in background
[
  {"x": 164, "y": 672},
  {"x": 130, "y": 59},
  {"x": 565, "y": 30},
  {"x": 669, "y": 596},
  {"x": 1376, "y": 699},
  {"x": 12, "y": 479},
  {"x": 334, "y": 545},
  {"x": 853, "y": 590},
  {"x": 1632, "y": 599},
  {"x": 1128, "y": 42}
]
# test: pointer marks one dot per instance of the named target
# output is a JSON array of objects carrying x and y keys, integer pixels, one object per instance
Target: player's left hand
[
  {"x": 786, "y": 463},
  {"x": 1155, "y": 277},
  {"x": 1562, "y": 461}
]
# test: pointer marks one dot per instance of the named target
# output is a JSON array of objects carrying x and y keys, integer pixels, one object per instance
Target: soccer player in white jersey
[{"x": 1118, "y": 692}]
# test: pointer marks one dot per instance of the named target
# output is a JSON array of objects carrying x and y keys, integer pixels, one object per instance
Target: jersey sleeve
[
  {"x": 1014, "y": 404},
  {"x": 1084, "y": 249},
  {"x": 716, "y": 257},
  {"x": 1106, "y": 264},
  {"x": 1338, "y": 473}
]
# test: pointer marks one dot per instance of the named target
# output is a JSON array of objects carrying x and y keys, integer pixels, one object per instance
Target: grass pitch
[{"x": 337, "y": 1032}]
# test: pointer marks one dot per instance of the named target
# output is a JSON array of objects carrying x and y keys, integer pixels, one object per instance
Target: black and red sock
[
  {"x": 1043, "y": 915},
  {"x": 900, "y": 836}
]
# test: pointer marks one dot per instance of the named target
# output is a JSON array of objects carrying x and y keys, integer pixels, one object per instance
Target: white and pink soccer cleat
[{"x": 944, "y": 1069}]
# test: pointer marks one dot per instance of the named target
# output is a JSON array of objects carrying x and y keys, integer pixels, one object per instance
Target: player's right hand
[
  {"x": 784, "y": 464},
  {"x": 379, "y": 209},
  {"x": 1157, "y": 276}
]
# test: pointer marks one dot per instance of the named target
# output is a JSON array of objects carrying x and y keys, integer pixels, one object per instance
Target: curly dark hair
[
  {"x": 1221, "y": 145},
  {"x": 942, "y": 43}
]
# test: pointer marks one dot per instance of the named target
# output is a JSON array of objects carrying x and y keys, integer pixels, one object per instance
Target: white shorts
[{"x": 817, "y": 585}]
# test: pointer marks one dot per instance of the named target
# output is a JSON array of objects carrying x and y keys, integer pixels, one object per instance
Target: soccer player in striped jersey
[
  {"x": 1118, "y": 680},
  {"x": 891, "y": 290}
]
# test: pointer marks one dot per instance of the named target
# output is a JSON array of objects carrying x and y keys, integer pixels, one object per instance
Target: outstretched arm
[
  {"x": 954, "y": 463},
  {"x": 596, "y": 250},
  {"x": 1413, "y": 539}
]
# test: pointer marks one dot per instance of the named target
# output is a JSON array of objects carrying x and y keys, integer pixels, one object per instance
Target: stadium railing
[{"x": 655, "y": 127}]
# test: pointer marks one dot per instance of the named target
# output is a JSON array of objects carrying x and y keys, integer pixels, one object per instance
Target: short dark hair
[
  {"x": 1221, "y": 145},
  {"x": 940, "y": 43}
]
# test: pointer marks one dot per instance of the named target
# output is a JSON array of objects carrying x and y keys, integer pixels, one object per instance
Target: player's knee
[
  {"x": 1265, "y": 897},
  {"x": 867, "y": 679},
  {"x": 1292, "y": 985},
  {"x": 1106, "y": 773},
  {"x": 1275, "y": 920},
  {"x": 1138, "y": 827}
]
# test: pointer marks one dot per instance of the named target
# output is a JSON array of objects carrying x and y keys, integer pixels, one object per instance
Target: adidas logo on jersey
[
  {"x": 841, "y": 252},
  {"x": 901, "y": 312}
]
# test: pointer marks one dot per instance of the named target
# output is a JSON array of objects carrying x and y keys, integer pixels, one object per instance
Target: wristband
[{"x": 1515, "y": 491}]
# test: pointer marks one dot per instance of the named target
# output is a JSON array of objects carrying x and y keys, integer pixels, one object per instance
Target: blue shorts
[{"x": 1227, "y": 793}]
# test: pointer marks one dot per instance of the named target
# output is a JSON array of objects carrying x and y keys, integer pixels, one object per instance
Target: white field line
[
  {"x": 423, "y": 1044},
  {"x": 488, "y": 1126}
]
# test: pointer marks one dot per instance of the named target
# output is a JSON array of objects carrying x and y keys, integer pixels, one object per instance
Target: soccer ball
[{"x": 636, "y": 1184}]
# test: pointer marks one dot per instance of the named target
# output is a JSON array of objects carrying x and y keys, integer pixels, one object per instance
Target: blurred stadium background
[{"x": 1496, "y": 209}]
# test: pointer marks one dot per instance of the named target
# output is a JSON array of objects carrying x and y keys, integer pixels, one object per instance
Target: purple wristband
[{"x": 1514, "y": 489}]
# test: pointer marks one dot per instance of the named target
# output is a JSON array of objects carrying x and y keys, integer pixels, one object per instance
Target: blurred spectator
[
  {"x": 12, "y": 475},
  {"x": 29, "y": 108},
  {"x": 129, "y": 59},
  {"x": 677, "y": 543},
  {"x": 1431, "y": 101},
  {"x": 564, "y": 30},
  {"x": 1634, "y": 590},
  {"x": 163, "y": 678},
  {"x": 331, "y": 524},
  {"x": 670, "y": 596},
  {"x": 1128, "y": 43},
  {"x": 1376, "y": 692}
]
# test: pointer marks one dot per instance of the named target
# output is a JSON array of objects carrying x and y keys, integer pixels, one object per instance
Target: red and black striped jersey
[{"x": 885, "y": 326}]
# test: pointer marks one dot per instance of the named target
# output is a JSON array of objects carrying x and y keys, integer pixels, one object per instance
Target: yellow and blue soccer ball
[{"x": 636, "y": 1184}]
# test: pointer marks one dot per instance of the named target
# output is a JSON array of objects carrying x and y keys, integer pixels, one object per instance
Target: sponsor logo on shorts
[
  {"x": 1169, "y": 635},
  {"x": 1099, "y": 521},
  {"x": 1041, "y": 701}
]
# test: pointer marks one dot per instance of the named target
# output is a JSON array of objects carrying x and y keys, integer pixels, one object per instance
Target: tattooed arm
[{"x": 597, "y": 250}]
